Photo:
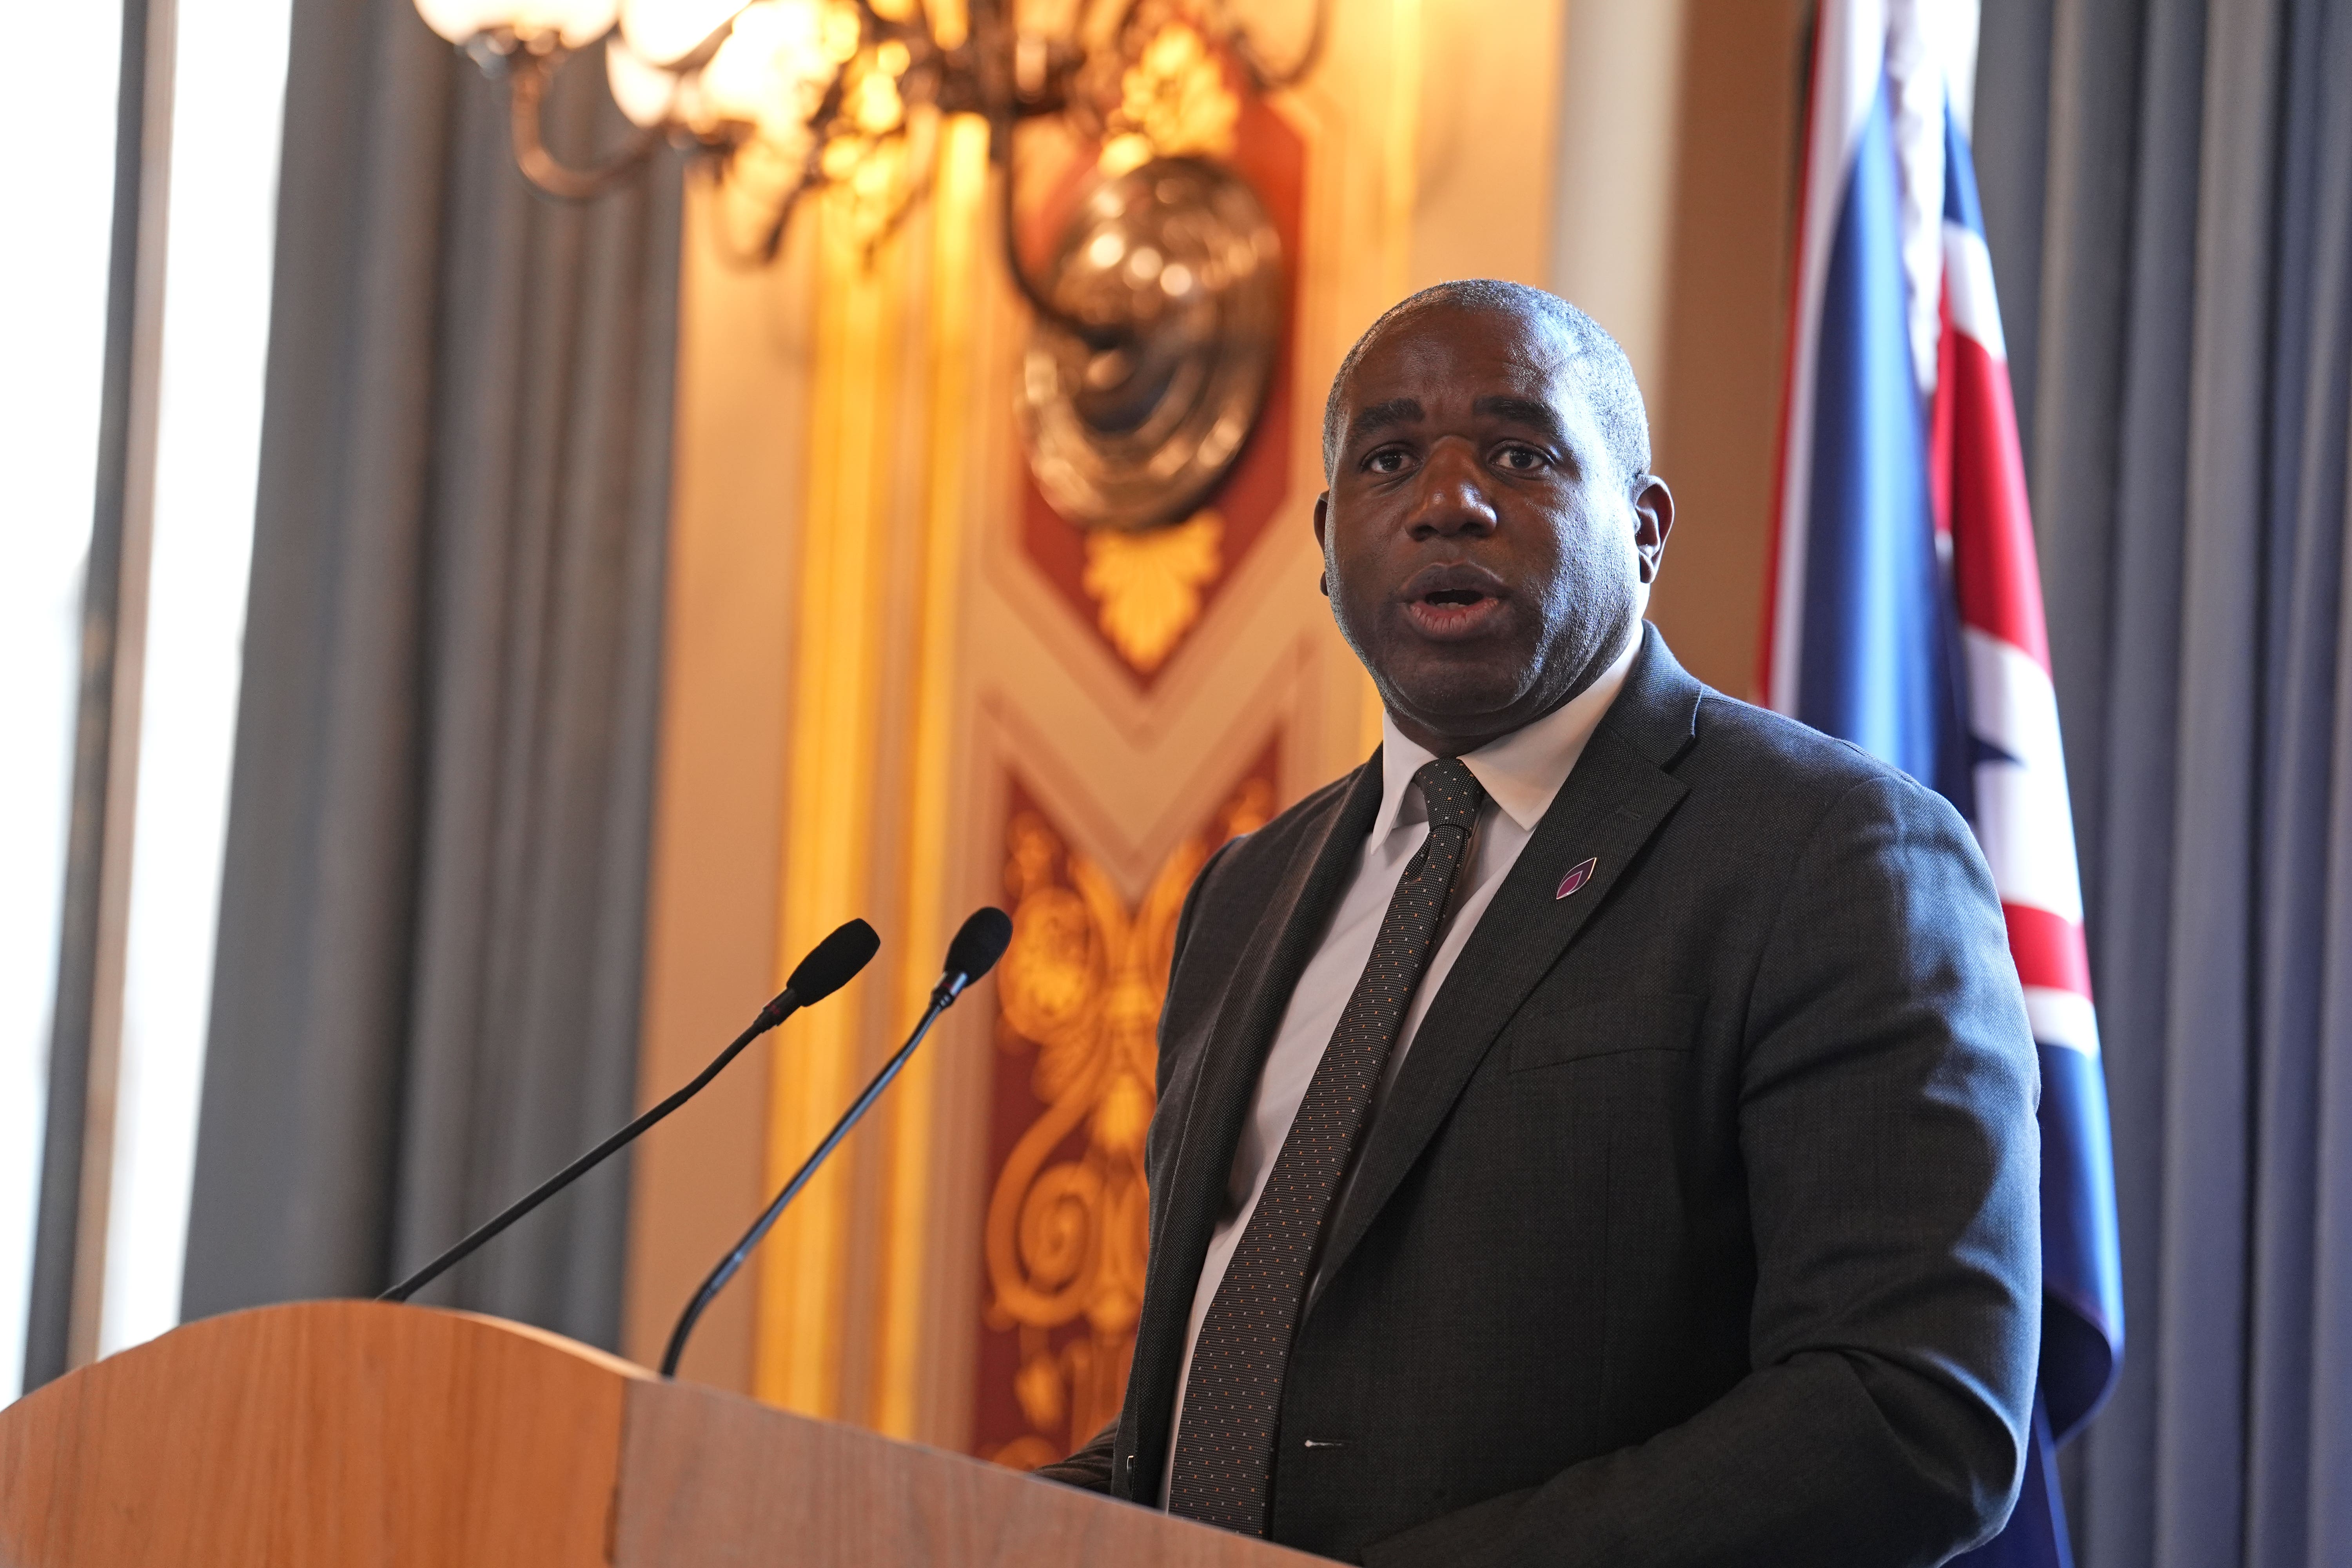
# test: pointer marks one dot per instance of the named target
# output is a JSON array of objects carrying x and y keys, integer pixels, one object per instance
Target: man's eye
[
  {"x": 1520, "y": 459},
  {"x": 1389, "y": 461}
]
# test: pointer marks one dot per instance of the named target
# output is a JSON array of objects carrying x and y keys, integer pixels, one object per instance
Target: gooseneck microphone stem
[
  {"x": 761, "y": 1226},
  {"x": 978, "y": 944},
  {"x": 774, "y": 1014},
  {"x": 829, "y": 966}
]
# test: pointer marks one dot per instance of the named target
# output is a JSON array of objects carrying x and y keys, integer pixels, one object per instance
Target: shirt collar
[{"x": 1522, "y": 771}]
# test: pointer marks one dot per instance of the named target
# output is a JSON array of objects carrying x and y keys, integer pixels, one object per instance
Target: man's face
[{"x": 1484, "y": 556}]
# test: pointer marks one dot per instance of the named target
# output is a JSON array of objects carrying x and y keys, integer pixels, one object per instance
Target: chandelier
[
  {"x": 790, "y": 95},
  {"x": 1158, "y": 315}
]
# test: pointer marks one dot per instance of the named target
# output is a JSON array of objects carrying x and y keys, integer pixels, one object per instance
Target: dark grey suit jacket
[{"x": 1700, "y": 1224}]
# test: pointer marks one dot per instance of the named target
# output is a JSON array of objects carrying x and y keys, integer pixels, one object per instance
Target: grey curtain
[
  {"x": 426, "y": 992},
  {"x": 2191, "y": 290}
]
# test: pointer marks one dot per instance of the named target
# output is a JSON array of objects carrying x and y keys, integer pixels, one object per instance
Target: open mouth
[{"x": 1451, "y": 611}]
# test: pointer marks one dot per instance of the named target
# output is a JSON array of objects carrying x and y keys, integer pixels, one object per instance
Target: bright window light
[
  {"x": 229, "y": 91},
  {"x": 53, "y": 340}
]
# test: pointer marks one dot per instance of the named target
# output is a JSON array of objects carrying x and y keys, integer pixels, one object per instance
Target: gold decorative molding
[
  {"x": 1148, "y": 583},
  {"x": 833, "y": 762},
  {"x": 906, "y": 1286},
  {"x": 1067, "y": 1228},
  {"x": 1173, "y": 103}
]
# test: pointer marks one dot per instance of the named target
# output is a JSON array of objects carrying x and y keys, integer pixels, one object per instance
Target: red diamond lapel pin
[{"x": 1577, "y": 876}]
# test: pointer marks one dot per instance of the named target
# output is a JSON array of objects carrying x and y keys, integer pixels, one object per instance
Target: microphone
[
  {"x": 974, "y": 952},
  {"x": 830, "y": 966}
]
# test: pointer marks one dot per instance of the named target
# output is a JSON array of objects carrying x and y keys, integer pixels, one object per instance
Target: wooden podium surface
[{"x": 331, "y": 1433}]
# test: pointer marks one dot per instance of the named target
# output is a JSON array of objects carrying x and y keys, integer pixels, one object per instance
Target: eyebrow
[
  {"x": 1381, "y": 416},
  {"x": 1540, "y": 418},
  {"x": 1536, "y": 416}
]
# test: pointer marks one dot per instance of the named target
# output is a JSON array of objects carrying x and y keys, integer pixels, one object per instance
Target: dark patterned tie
[{"x": 1224, "y": 1445}]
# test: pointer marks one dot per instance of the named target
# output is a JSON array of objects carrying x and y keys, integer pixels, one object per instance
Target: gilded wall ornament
[
  {"x": 1148, "y": 584},
  {"x": 1172, "y": 103},
  {"x": 1178, "y": 267},
  {"x": 1067, "y": 1226}
]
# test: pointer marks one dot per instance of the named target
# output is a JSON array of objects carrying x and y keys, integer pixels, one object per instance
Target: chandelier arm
[
  {"x": 527, "y": 77},
  {"x": 892, "y": 223},
  {"x": 1268, "y": 80},
  {"x": 772, "y": 244},
  {"x": 993, "y": 32},
  {"x": 735, "y": 257},
  {"x": 915, "y": 189},
  {"x": 1095, "y": 335},
  {"x": 712, "y": 163}
]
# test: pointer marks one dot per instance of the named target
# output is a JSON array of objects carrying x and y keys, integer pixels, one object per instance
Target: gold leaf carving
[
  {"x": 1067, "y": 1232},
  {"x": 1148, "y": 584},
  {"x": 1173, "y": 103}
]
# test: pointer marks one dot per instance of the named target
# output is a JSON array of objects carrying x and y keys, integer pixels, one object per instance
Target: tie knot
[{"x": 1451, "y": 794}]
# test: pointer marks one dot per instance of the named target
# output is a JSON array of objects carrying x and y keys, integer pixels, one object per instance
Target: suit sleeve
[
  {"x": 1886, "y": 1130},
  {"x": 1089, "y": 1468}
]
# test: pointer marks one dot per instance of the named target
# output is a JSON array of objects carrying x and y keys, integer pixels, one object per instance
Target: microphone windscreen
[
  {"x": 980, "y": 942},
  {"x": 834, "y": 962}
]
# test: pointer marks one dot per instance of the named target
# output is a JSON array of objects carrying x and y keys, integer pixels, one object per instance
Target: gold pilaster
[
  {"x": 831, "y": 769},
  {"x": 959, "y": 223}
]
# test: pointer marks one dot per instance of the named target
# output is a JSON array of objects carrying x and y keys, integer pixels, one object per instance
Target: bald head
[{"x": 1601, "y": 372}]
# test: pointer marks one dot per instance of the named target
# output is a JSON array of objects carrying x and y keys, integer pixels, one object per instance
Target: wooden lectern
[{"x": 331, "y": 1433}]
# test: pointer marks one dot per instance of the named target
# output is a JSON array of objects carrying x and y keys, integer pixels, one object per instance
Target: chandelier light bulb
[
  {"x": 647, "y": 94},
  {"x": 772, "y": 70},
  {"x": 579, "y": 23},
  {"x": 459, "y": 20},
  {"x": 663, "y": 32},
  {"x": 575, "y": 24}
]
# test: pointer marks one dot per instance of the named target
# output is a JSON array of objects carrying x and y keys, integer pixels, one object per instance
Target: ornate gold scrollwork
[{"x": 1067, "y": 1231}]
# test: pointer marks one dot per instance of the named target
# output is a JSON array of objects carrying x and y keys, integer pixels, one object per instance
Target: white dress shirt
[{"x": 1520, "y": 774}]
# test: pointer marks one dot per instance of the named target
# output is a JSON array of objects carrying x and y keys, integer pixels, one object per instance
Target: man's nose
[{"x": 1451, "y": 500}]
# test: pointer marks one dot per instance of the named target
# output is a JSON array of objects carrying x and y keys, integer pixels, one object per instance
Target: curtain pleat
[
  {"x": 2313, "y": 357},
  {"x": 2115, "y": 429},
  {"x": 2194, "y": 368},
  {"x": 426, "y": 994},
  {"x": 2210, "y": 1004}
]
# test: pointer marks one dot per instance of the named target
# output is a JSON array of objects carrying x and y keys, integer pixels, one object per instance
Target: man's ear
[
  {"x": 1654, "y": 519},
  {"x": 1322, "y": 521}
]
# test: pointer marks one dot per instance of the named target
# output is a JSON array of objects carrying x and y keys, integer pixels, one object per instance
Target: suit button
[{"x": 1130, "y": 1464}]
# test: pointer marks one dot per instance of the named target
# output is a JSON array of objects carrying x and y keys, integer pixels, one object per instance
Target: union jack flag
[{"x": 1904, "y": 613}]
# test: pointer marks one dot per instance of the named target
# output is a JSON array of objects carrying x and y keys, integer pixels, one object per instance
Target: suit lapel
[
  {"x": 1223, "y": 1088},
  {"x": 1615, "y": 798}
]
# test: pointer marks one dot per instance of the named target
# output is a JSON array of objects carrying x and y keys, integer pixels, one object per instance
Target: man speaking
[{"x": 1600, "y": 1129}]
